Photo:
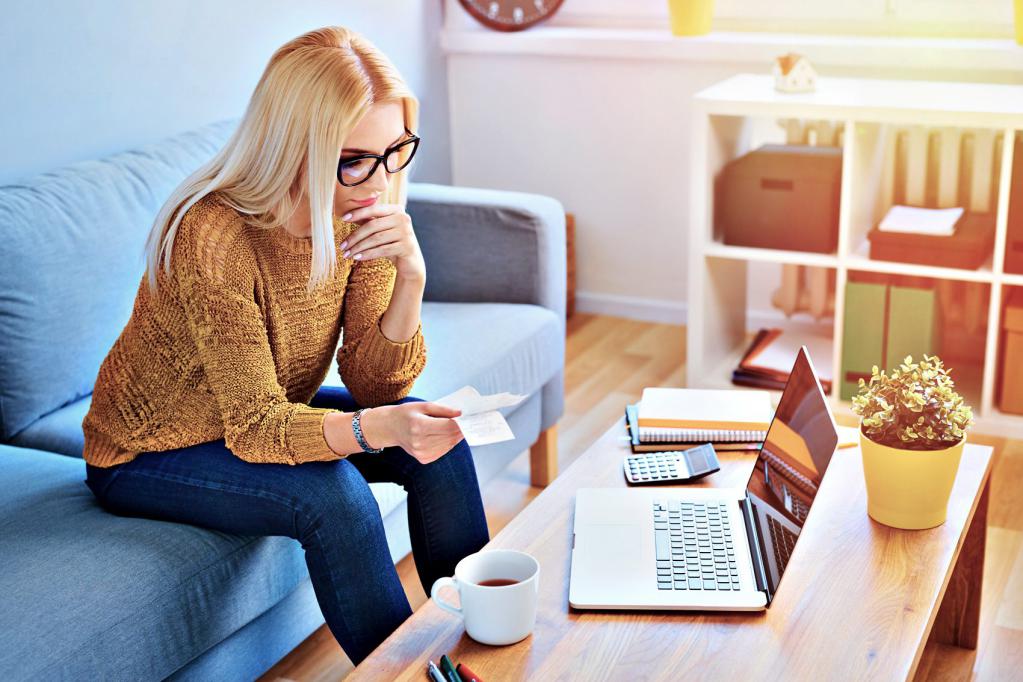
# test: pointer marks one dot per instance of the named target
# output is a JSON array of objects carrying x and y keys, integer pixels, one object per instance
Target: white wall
[
  {"x": 83, "y": 79},
  {"x": 609, "y": 137}
]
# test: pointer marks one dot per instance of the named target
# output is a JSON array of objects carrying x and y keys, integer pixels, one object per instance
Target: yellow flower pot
[
  {"x": 909, "y": 488},
  {"x": 692, "y": 17}
]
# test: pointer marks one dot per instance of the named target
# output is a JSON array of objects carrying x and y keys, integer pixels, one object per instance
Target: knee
[
  {"x": 461, "y": 452},
  {"x": 339, "y": 495},
  {"x": 457, "y": 463}
]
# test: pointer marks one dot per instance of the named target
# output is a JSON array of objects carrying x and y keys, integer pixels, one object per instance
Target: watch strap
[{"x": 359, "y": 437}]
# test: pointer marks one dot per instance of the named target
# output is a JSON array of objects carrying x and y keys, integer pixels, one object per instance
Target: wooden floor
[{"x": 608, "y": 362}]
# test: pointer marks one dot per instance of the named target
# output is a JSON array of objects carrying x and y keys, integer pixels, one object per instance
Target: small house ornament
[{"x": 793, "y": 73}]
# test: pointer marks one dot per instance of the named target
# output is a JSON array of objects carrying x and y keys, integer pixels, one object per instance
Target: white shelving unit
[{"x": 726, "y": 118}]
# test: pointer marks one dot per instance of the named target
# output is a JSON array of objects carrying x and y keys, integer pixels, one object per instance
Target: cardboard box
[
  {"x": 970, "y": 246},
  {"x": 780, "y": 197},
  {"x": 1010, "y": 397},
  {"x": 1014, "y": 236}
]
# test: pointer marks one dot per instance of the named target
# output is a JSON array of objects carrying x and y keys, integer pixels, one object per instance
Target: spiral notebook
[
  {"x": 670, "y": 444},
  {"x": 666, "y": 435}
]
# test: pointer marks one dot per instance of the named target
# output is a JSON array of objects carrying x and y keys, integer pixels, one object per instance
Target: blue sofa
[{"x": 90, "y": 595}]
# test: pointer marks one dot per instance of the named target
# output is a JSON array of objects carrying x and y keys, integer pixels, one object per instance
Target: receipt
[{"x": 480, "y": 422}]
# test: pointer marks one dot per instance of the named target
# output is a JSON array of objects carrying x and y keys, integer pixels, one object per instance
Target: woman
[{"x": 206, "y": 409}]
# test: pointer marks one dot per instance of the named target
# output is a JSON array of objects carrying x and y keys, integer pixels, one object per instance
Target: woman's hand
[
  {"x": 425, "y": 430},
  {"x": 385, "y": 231}
]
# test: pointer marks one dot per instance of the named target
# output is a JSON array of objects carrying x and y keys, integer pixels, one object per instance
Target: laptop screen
[{"x": 790, "y": 467}]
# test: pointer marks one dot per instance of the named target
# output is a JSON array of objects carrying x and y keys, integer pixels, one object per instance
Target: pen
[
  {"x": 448, "y": 669},
  {"x": 466, "y": 674},
  {"x": 434, "y": 672}
]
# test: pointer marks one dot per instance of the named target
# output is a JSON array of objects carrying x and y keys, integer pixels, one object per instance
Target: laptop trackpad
[{"x": 614, "y": 546}]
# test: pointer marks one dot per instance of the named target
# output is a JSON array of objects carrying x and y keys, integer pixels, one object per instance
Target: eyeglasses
[{"x": 356, "y": 170}]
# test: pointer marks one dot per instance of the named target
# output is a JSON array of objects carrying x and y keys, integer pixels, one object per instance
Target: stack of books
[
  {"x": 769, "y": 359},
  {"x": 671, "y": 419}
]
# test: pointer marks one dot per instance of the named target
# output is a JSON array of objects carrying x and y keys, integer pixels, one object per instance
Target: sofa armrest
[{"x": 490, "y": 246}]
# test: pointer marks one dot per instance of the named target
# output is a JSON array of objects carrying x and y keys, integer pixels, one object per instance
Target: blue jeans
[{"x": 327, "y": 506}]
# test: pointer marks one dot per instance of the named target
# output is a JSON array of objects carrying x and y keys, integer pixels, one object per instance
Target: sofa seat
[
  {"x": 165, "y": 575},
  {"x": 99, "y": 584}
]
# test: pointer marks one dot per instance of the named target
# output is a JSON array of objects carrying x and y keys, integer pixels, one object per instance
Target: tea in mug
[{"x": 497, "y": 582}]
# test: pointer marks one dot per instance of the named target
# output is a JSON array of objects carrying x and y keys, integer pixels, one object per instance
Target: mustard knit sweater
[{"x": 231, "y": 346}]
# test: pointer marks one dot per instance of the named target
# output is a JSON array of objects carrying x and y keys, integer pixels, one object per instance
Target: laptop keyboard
[
  {"x": 800, "y": 509},
  {"x": 783, "y": 541},
  {"x": 693, "y": 541}
]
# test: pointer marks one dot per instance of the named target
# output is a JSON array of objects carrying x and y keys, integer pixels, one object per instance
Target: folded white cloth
[{"x": 938, "y": 222}]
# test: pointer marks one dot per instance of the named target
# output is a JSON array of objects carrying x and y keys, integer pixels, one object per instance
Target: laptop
[{"x": 672, "y": 548}]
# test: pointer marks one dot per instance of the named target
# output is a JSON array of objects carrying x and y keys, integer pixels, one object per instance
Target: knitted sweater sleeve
[
  {"x": 375, "y": 369},
  {"x": 215, "y": 272}
]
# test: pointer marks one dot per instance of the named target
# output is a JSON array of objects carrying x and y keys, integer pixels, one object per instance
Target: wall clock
[{"x": 510, "y": 15}]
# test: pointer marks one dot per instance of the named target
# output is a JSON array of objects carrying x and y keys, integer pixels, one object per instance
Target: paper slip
[
  {"x": 480, "y": 421},
  {"x": 939, "y": 222}
]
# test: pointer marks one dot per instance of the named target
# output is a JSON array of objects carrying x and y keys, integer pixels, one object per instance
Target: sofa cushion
[
  {"x": 72, "y": 254},
  {"x": 59, "y": 431},
  {"x": 98, "y": 596}
]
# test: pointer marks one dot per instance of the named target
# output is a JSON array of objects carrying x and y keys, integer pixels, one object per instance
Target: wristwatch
[{"x": 357, "y": 428}]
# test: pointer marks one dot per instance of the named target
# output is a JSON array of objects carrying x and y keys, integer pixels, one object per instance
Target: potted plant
[{"x": 912, "y": 430}]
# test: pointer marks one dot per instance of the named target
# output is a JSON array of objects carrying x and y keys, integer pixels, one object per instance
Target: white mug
[{"x": 495, "y": 615}]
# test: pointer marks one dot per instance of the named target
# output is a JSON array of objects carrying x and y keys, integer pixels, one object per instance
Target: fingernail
[
  {"x": 358, "y": 256},
  {"x": 344, "y": 244},
  {"x": 346, "y": 253},
  {"x": 346, "y": 216}
]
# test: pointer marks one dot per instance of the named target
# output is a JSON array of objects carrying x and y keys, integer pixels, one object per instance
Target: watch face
[{"x": 510, "y": 15}]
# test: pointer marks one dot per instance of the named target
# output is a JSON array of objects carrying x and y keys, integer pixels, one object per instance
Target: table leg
[{"x": 958, "y": 619}]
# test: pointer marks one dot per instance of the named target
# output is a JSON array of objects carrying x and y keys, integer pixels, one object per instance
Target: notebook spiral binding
[{"x": 669, "y": 435}]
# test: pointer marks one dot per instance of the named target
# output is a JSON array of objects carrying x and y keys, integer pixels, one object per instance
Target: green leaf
[{"x": 915, "y": 404}]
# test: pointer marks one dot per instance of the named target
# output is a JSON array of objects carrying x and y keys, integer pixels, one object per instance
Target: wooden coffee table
[{"x": 858, "y": 600}]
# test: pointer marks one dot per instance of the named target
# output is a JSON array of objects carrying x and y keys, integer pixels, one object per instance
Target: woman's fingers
[
  {"x": 374, "y": 211},
  {"x": 438, "y": 410},
  {"x": 439, "y": 432},
  {"x": 448, "y": 432},
  {"x": 371, "y": 235},
  {"x": 379, "y": 252},
  {"x": 398, "y": 222},
  {"x": 444, "y": 427},
  {"x": 366, "y": 231},
  {"x": 384, "y": 236}
]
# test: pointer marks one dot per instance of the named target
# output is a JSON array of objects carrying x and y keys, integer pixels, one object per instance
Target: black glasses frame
[{"x": 380, "y": 159}]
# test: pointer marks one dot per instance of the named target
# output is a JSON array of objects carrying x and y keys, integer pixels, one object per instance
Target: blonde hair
[{"x": 313, "y": 92}]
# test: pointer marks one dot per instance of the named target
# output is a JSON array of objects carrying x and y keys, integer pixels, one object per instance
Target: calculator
[{"x": 671, "y": 467}]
